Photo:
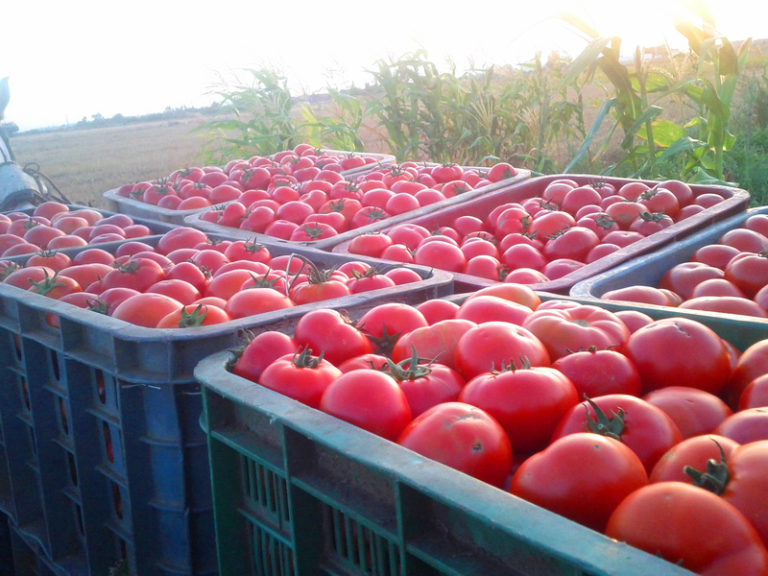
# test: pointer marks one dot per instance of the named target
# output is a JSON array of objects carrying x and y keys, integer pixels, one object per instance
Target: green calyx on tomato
[
  {"x": 194, "y": 318},
  {"x": 605, "y": 221},
  {"x": 303, "y": 358},
  {"x": 716, "y": 476},
  {"x": 252, "y": 246},
  {"x": 410, "y": 368},
  {"x": 263, "y": 281},
  {"x": 611, "y": 426},
  {"x": 525, "y": 364},
  {"x": 98, "y": 306},
  {"x": 651, "y": 216},
  {"x": 7, "y": 268},
  {"x": 48, "y": 284}
]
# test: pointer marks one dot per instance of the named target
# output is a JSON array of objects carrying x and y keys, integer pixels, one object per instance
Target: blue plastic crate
[
  {"x": 649, "y": 270},
  {"x": 6, "y": 547},
  {"x": 105, "y": 458}
]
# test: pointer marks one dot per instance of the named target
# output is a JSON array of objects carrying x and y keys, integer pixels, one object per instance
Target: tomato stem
[{"x": 716, "y": 476}]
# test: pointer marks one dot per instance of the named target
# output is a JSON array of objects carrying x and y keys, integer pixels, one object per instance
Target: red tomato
[
  {"x": 689, "y": 526},
  {"x": 328, "y": 331},
  {"x": 462, "y": 437},
  {"x": 300, "y": 376},
  {"x": 527, "y": 402},
  {"x": 194, "y": 315},
  {"x": 577, "y": 327},
  {"x": 749, "y": 272},
  {"x": 487, "y": 308},
  {"x": 437, "y": 310},
  {"x": 695, "y": 412},
  {"x": 369, "y": 399},
  {"x": 752, "y": 364},
  {"x": 385, "y": 323},
  {"x": 755, "y": 395},
  {"x": 146, "y": 309},
  {"x": 138, "y": 274},
  {"x": 256, "y": 301},
  {"x": 437, "y": 341},
  {"x": 694, "y": 452},
  {"x": 496, "y": 344},
  {"x": 746, "y": 426},
  {"x": 563, "y": 479},
  {"x": 647, "y": 430},
  {"x": 260, "y": 352},
  {"x": 441, "y": 255},
  {"x": 683, "y": 278},
  {"x": 679, "y": 351},
  {"x": 600, "y": 372}
]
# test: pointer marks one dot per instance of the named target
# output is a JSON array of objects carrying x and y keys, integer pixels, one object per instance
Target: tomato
[
  {"x": 695, "y": 412},
  {"x": 486, "y": 308},
  {"x": 180, "y": 290},
  {"x": 679, "y": 351},
  {"x": 368, "y": 215},
  {"x": 755, "y": 395},
  {"x": 501, "y": 171},
  {"x": 691, "y": 527},
  {"x": 745, "y": 426},
  {"x": 319, "y": 287},
  {"x": 577, "y": 328},
  {"x": 138, "y": 274},
  {"x": 583, "y": 477},
  {"x": 726, "y": 305},
  {"x": 744, "y": 240},
  {"x": 716, "y": 287},
  {"x": 256, "y": 301},
  {"x": 647, "y": 430},
  {"x": 327, "y": 331},
  {"x": 441, "y": 255},
  {"x": 752, "y": 364},
  {"x": 369, "y": 244},
  {"x": 496, "y": 344},
  {"x": 425, "y": 384},
  {"x": 55, "y": 287},
  {"x": 749, "y": 272},
  {"x": 694, "y": 452},
  {"x": 463, "y": 437},
  {"x": 599, "y": 372},
  {"x": 364, "y": 362},
  {"x": 146, "y": 309},
  {"x": 385, "y": 323},
  {"x": 528, "y": 402},
  {"x": 447, "y": 173},
  {"x": 369, "y": 399},
  {"x": 437, "y": 341},
  {"x": 261, "y": 351},
  {"x": 300, "y": 376},
  {"x": 180, "y": 238},
  {"x": 193, "y": 315},
  {"x": 436, "y": 310},
  {"x": 683, "y": 278}
]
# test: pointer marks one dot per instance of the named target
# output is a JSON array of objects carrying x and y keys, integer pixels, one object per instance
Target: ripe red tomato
[
  {"x": 437, "y": 341},
  {"x": 332, "y": 333},
  {"x": 463, "y": 437},
  {"x": 695, "y": 412},
  {"x": 577, "y": 327},
  {"x": 600, "y": 372},
  {"x": 583, "y": 477},
  {"x": 385, "y": 323},
  {"x": 146, "y": 309},
  {"x": 369, "y": 399},
  {"x": 689, "y": 526},
  {"x": 679, "y": 351},
  {"x": 496, "y": 344},
  {"x": 194, "y": 315},
  {"x": 487, "y": 308},
  {"x": 694, "y": 452},
  {"x": 260, "y": 352},
  {"x": 300, "y": 376},
  {"x": 648, "y": 431},
  {"x": 745, "y": 426},
  {"x": 138, "y": 274},
  {"x": 256, "y": 301},
  {"x": 528, "y": 402}
]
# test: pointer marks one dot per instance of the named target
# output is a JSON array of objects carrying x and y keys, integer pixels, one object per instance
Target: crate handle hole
[
  {"x": 17, "y": 346},
  {"x": 25, "y": 393},
  {"x": 79, "y": 516}
]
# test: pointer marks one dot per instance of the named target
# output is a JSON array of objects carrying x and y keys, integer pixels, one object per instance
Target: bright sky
[{"x": 67, "y": 60}]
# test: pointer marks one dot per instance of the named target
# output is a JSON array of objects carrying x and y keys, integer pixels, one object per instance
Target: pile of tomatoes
[
  {"x": 729, "y": 277},
  {"x": 328, "y": 205},
  {"x": 591, "y": 414},
  {"x": 53, "y": 226},
  {"x": 197, "y": 187},
  {"x": 187, "y": 280},
  {"x": 541, "y": 238}
]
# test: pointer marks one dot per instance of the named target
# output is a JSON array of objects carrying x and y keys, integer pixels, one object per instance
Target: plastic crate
[
  {"x": 30, "y": 560},
  {"x": 133, "y": 207},
  {"x": 6, "y": 547},
  {"x": 297, "y": 491},
  {"x": 456, "y": 204},
  {"x": 648, "y": 271},
  {"x": 736, "y": 201},
  {"x": 104, "y": 458}
]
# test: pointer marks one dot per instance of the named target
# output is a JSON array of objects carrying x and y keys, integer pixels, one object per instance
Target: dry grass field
[{"x": 86, "y": 163}]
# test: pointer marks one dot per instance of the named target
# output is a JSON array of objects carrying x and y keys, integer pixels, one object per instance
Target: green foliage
[
  {"x": 340, "y": 130},
  {"x": 254, "y": 118}
]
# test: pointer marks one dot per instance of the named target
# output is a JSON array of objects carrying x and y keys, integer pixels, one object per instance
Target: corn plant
[
  {"x": 254, "y": 118},
  {"x": 341, "y": 129}
]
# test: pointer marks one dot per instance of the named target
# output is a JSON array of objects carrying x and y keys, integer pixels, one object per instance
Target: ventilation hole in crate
[
  {"x": 63, "y": 414},
  {"x": 117, "y": 500},
  {"x": 101, "y": 389},
  {"x": 266, "y": 491},
  {"x": 123, "y": 549},
  {"x": 270, "y": 556},
  {"x": 108, "y": 442},
  {"x": 72, "y": 468},
  {"x": 17, "y": 346},
  {"x": 354, "y": 544},
  {"x": 32, "y": 440},
  {"x": 79, "y": 518},
  {"x": 55, "y": 365},
  {"x": 25, "y": 393}
]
